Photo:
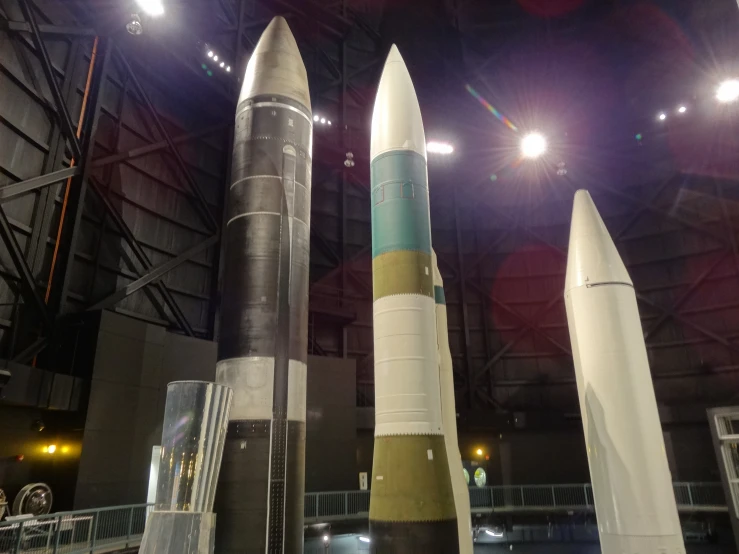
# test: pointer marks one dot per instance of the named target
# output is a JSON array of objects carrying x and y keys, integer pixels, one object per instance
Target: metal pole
[
  {"x": 19, "y": 539},
  {"x": 94, "y": 531},
  {"x": 130, "y": 524},
  {"x": 59, "y": 534}
]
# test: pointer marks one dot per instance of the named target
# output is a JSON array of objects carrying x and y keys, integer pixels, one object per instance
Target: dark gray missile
[{"x": 262, "y": 350}]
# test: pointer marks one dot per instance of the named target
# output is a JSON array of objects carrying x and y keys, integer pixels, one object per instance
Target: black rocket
[{"x": 262, "y": 351}]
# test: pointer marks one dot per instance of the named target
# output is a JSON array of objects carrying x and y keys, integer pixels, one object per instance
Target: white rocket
[
  {"x": 632, "y": 485},
  {"x": 449, "y": 417}
]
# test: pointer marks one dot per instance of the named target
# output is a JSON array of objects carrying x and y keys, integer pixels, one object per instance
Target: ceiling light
[
  {"x": 728, "y": 91},
  {"x": 228, "y": 68},
  {"x": 662, "y": 116},
  {"x": 329, "y": 122},
  {"x": 682, "y": 109},
  {"x": 210, "y": 53},
  {"x": 325, "y": 538},
  {"x": 439, "y": 148},
  {"x": 364, "y": 539},
  {"x": 215, "y": 58},
  {"x": 316, "y": 118},
  {"x": 151, "y": 7},
  {"x": 51, "y": 449},
  {"x": 223, "y": 64},
  {"x": 323, "y": 120},
  {"x": 493, "y": 533},
  {"x": 533, "y": 145}
]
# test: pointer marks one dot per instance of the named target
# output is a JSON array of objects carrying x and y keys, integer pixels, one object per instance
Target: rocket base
[
  {"x": 243, "y": 487},
  {"x": 424, "y": 537},
  {"x": 628, "y": 544}
]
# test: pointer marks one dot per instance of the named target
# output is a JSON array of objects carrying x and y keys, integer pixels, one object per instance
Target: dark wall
[
  {"x": 331, "y": 426},
  {"x": 133, "y": 364}
]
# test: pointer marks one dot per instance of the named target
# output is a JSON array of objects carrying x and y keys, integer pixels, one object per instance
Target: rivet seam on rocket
[{"x": 410, "y": 480}]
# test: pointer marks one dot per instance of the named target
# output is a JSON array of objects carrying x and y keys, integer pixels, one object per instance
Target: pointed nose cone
[
  {"x": 396, "y": 118},
  {"x": 275, "y": 67},
  {"x": 592, "y": 256}
]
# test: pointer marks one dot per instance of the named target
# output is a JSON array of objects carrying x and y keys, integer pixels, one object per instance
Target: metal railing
[
  {"x": 83, "y": 531},
  {"x": 690, "y": 497},
  {"x": 120, "y": 527}
]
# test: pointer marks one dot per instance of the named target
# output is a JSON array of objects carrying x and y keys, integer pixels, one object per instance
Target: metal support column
[
  {"x": 61, "y": 276},
  {"x": 463, "y": 300}
]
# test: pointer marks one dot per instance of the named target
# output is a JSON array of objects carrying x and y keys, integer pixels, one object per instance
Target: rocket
[
  {"x": 449, "y": 416},
  {"x": 411, "y": 498},
  {"x": 632, "y": 486},
  {"x": 262, "y": 351}
]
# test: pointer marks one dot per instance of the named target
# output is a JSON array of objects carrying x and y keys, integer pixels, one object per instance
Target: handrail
[{"x": 115, "y": 527}]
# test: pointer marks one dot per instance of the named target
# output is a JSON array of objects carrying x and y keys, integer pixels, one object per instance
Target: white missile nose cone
[
  {"x": 592, "y": 258},
  {"x": 275, "y": 67},
  {"x": 396, "y": 118}
]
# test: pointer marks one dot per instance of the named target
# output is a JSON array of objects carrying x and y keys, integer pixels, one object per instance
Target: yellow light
[
  {"x": 479, "y": 451},
  {"x": 45, "y": 449},
  {"x": 65, "y": 449},
  {"x": 52, "y": 448}
]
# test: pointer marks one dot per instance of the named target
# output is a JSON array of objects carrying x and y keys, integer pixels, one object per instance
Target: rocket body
[
  {"x": 449, "y": 417},
  {"x": 262, "y": 351},
  {"x": 411, "y": 500},
  {"x": 632, "y": 485}
]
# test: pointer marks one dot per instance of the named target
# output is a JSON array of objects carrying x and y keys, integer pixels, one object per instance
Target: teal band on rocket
[
  {"x": 439, "y": 295},
  {"x": 400, "y": 206}
]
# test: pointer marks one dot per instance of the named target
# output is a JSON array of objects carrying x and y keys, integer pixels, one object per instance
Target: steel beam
[
  {"x": 201, "y": 203},
  {"x": 61, "y": 107},
  {"x": 153, "y": 275},
  {"x": 63, "y": 269},
  {"x": 27, "y": 283},
  {"x": 142, "y": 257},
  {"x": 154, "y": 147},
  {"x": 24, "y": 27},
  {"x": 463, "y": 298},
  {"x": 16, "y": 189}
]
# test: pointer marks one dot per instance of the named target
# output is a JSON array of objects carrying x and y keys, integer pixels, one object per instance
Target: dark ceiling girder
[
  {"x": 27, "y": 284},
  {"x": 22, "y": 26},
  {"x": 77, "y": 188},
  {"x": 201, "y": 203},
  {"x": 142, "y": 257},
  {"x": 16, "y": 189},
  {"x": 154, "y": 147},
  {"x": 153, "y": 275},
  {"x": 61, "y": 107},
  {"x": 686, "y": 295},
  {"x": 27, "y": 354}
]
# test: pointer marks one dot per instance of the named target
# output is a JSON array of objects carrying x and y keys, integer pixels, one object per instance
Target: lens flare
[{"x": 503, "y": 119}]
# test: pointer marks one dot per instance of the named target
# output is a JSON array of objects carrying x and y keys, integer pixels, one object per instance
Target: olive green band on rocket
[
  {"x": 402, "y": 272},
  {"x": 410, "y": 480}
]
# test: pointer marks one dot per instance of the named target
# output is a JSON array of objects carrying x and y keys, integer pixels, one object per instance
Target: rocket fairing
[
  {"x": 411, "y": 498},
  {"x": 449, "y": 416},
  {"x": 262, "y": 351},
  {"x": 632, "y": 486}
]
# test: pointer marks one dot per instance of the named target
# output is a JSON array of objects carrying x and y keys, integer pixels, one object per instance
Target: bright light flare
[
  {"x": 479, "y": 451},
  {"x": 533, "y": 145},
  {"x": 210, "y": 53},
  {"x": 151, "y": 7},
  {"x": 51, "y": 449},
  {"x": 325, "y": 538},
  {"x": 439, "y": 148},
  {"x": 493, "y": 533},
  {"x": 364, "y": 539},
  {"x": 728, "y": 91},
  {"x": 682, "y": 109},
  {"x": 662, "y": 116}
]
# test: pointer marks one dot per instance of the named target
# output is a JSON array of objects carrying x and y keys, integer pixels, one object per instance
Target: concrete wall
[
  {"x": 134, "y": 362},
  {"x": 331, "y": 426}
]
